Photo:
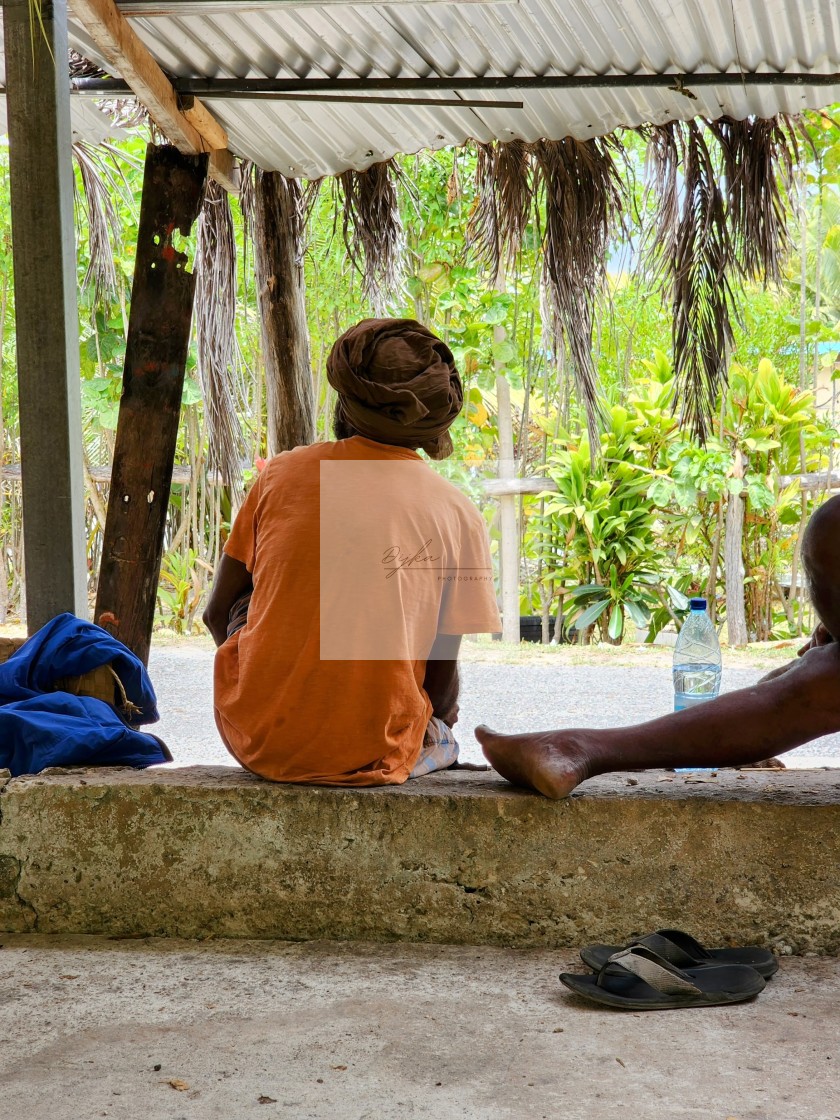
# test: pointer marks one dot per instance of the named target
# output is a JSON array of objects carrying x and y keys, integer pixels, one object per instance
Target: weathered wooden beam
[
  {"x": 282, "y": 295},
  {"x": 46, "y": 316},
  {"x": 153, "y": 380},
  {"x": 192, "y": 132}
]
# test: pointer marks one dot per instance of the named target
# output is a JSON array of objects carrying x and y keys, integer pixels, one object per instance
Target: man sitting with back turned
[
  {"x": 788, "y": 707},
  {"x": 351, "y": 573}
]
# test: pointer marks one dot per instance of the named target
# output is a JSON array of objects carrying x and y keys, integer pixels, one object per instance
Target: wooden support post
[
  {"x": 288, "y": 368},
  {"x": 46, "y": 315},
  {"x": 150, "y": 408}
]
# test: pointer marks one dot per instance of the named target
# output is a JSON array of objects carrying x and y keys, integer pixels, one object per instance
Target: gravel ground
[{"x": 543, "y": 691}]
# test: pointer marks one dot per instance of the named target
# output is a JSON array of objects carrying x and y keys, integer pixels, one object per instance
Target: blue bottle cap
[{"x": 697, "y": 604}]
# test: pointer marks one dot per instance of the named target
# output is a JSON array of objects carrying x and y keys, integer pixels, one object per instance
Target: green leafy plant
[
  {"x": 181, "y": 590},
  {"x": 609, "y": 527}
]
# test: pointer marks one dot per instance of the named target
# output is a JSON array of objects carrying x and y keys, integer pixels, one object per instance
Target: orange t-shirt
[{"x": 360, "y": 553}]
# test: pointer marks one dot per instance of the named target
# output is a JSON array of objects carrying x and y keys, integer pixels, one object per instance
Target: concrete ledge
[{"x": 464, "y": 858}]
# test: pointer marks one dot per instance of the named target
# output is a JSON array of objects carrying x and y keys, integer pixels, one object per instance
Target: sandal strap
[
  {"x": 669, "y": 950},
  {"x": 686, "y": 943},
  {"x": 653, "y": 969}
]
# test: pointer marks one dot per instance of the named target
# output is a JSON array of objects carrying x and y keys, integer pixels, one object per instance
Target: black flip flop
[
  {"x": 637, "y": 979},
  {"x": 684, "y": 951}
]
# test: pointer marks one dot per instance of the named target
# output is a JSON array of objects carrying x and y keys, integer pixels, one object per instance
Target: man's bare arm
[
  {"x": 441, "y": 681},
  {"x": 232, "y": 580}
]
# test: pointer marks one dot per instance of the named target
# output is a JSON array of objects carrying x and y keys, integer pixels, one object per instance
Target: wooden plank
[
  {"x": 147, "y": 428},
  {"x": 496, "y": 487},
  {"x": 44, "y": 251},
  {"x": 821, "y": 480},
  {"x": 131, "y": 59},
  {"x": 181, "y": 476},
  {"x": 202, "y": 120},
  {"x": 288, "y": 370}
]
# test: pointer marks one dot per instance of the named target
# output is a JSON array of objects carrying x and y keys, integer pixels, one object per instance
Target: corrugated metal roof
[
  {"x": 528, "y": 38},
  {"x": 86, "y": 120}
]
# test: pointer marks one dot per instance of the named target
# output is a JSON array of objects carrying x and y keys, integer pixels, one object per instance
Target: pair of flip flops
[{"x": 670, "y": 969}]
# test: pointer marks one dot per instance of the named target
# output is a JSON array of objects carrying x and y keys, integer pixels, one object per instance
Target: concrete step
[{"x": 461, "y": 858}]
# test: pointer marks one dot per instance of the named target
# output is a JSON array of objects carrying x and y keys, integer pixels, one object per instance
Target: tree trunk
[
  {"x": 736, "y": 621},
  {"x": 282, "y": 294}
]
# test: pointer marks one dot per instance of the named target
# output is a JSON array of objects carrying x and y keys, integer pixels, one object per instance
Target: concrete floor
[{"x": 175, "y": 1030}]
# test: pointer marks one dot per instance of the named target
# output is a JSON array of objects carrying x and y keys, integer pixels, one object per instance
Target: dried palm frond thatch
[
  {"x": 758, "y": 158},
  {"x": 720, "y": 220},
  {"x": 99, "y": 178},
  {"x": 504, "y": 202},
  {"x": 247, "y": 202},
  {"x": 695, "y": 253},
  {"x": 372, "y": 228},
  {"x": 81, "y": 67},
  {"x": 125, "y": 112},
  {"x": 579, "y": 185},
  {"x": 215, "y": 313}
]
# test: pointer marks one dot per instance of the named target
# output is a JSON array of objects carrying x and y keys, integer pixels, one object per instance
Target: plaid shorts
[{"x": 439, "y": 749}]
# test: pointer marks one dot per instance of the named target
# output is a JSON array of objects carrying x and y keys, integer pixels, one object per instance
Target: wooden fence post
[
  {"x": 150, "y": 408},
  {"x": 736, "y": 620},
  {"x": 508, "y": 502}
]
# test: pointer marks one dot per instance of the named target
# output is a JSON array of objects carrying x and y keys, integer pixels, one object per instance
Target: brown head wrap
[{"x": 397, "y": 383}]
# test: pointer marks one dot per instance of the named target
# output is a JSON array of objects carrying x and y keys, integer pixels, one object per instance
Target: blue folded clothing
[{"x": 40, "y": 727}]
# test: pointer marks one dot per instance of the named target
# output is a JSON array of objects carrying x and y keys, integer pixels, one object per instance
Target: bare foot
[{"x": 551, "y": 762}]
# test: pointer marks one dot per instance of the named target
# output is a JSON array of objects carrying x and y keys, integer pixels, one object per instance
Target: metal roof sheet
[
  {"x": 516, "y": 39},
  {"x": 87, "y": 122}
]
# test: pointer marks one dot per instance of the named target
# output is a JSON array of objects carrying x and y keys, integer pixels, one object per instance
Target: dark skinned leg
[{"x": 737, "y": 729}]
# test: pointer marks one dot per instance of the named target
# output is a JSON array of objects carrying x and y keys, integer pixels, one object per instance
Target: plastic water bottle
[{"x": 696, "y": 659}]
